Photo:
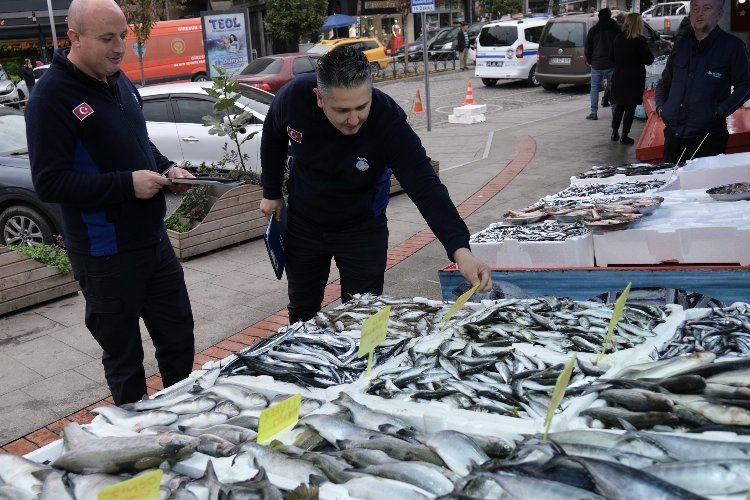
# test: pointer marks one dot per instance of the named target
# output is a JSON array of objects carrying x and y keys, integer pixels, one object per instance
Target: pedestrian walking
[
  {"x": 462, "y": 46},
  {"x": 90, "y": 152},
  {"x": 706, "y": 79},
  {"x": 346, "y": 138},
  {"x": 597, "y": 50},
  {"x": 27, "y": 73},
  {"x": 631, "y": 55}
]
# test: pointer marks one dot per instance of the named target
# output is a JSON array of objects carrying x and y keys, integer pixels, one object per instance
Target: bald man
[{"x": 90, "y": 152}]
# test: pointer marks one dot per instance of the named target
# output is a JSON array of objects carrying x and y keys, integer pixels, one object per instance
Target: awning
[{"x": 338, "y": 21}]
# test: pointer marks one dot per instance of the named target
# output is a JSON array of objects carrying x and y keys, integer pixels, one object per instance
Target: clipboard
[
  {"x": 274, "y": 239},
  {"x": 206, "y": 180}
]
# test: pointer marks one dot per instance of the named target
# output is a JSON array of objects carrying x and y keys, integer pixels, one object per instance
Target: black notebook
[{"x": 274, "y": 239}]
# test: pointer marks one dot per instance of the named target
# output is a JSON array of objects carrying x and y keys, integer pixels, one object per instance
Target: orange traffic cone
[
  {"x": 417, "y": 104},
  {"x": 469, "y": 95}
]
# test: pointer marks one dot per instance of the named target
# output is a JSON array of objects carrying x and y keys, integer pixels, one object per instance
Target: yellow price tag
[
  {"x": 616, "y": 313},
  {"x": 557, "y": 394},
  {"x": 458, "y": 305},
  {"x": 143, "y": 487},
  {"x": 374, "y": 331},
  {"x": 278, "y": 417}
]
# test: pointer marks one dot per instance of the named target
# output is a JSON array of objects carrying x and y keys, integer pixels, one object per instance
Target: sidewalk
[{"x": 50, "y": 366}]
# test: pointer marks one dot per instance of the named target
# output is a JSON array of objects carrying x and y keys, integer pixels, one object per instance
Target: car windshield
[
  {"x": 498, "y": 36},
  {"x": 255, "y": 99},
  {"x": 320, "y": 49},
  {"x": 3, "y": 75},
  {"x": 564, "y": 34},
  {"x": 264, "y": 66},
  {"x": 12, "y": 134}
]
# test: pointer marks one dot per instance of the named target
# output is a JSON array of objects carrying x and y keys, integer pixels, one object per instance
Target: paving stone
[
  {"x": 22, "y": 414},
  {"x": 67, "y": 311},
  {"x": 14, "y": 375},
  {"x": 37, "y": 354},
  {"x": 79, "y": 337},
  {"x": 27, "y": 324},
  {"x": 66, "y": 393}
]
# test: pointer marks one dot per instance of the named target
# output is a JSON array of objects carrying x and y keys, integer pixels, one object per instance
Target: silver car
[
  {"x": 8, "y": 91},
  {"x": 666, "y": 17},
  {"x": 174, "y": 113}
]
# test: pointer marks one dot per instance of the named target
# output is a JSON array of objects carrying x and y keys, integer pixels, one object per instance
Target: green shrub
[{"x": 50, "y": 255}]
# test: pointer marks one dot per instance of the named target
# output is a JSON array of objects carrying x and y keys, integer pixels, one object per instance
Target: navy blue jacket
[
  {"x": 694, "y": 92},
  {"x": 340, "y": 181},
  {"x": 85, "y": 141}
]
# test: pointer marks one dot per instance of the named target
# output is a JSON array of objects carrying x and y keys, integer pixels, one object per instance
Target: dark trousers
[
  {"x": 683, "y": 149},
  {"x": 360, "y": 253},
  {"x": 148, "y": 283},
  {"x": 623, "y": 113}
]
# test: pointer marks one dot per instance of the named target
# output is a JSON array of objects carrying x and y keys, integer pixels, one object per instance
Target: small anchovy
[
  {"x": 600, "y": 189},
  {"x": 628, "y": 169},
  {"x": 546, "y": 231}
]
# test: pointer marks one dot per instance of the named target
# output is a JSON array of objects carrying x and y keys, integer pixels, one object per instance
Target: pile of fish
[
  {"x": 482, "y": 376},
  {"x": 370, "y": 454},
  {"x": 660, "y": 297},
  {"x": 723, "y": 331},
  {"x": 546, "y": 231},
  {"x": 560, "y": 324},
  {"x": 599, "y": 189},
  {"x": 692, "y": 392},
  {"x": 603, "y": 171}
]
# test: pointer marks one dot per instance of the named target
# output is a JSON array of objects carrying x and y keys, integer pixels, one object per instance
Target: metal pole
[
  {"x": 52, "y": 25},
  {"x": 425, "y": 58}
]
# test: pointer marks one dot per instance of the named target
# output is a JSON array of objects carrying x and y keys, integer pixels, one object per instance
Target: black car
[
  {"x": 443, "y": 45},
  {"x": 415, "y": 48},
  {"x": 24, "y": 218}
]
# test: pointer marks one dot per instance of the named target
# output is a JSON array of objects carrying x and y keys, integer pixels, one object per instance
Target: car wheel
[
  {"x": 23, "y": 225},
  {"x": 549, "y": 86},
  {"x": 531, "y": 81},
  {"x": 489, "y": 82},
  {"x": 375, "y": 68},
  {"x": 200, "y": 77}
]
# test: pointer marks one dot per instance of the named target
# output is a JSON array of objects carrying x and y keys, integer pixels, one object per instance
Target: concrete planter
[
  {"x": 235, "y": 217},
  {"x": 25, "y": 282}
]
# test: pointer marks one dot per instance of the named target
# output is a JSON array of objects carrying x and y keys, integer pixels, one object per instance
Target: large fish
[
  {"x": 19, "y": 472},
  {"x": 134, "y": 420},
  {"x": 117, "y": 454}
]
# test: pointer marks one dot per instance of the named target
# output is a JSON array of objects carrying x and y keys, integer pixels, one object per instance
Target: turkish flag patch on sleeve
[
  {"x": 82, "y": 111},
  {"x": 294, "y": 135}
]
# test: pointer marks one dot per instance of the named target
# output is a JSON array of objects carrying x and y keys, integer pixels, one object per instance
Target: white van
[
  {"x": 508, "y": 50},
  {"x": 665, "y": 18}
]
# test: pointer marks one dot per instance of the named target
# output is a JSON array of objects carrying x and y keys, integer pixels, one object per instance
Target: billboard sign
[{"x": 226, "y": 40}]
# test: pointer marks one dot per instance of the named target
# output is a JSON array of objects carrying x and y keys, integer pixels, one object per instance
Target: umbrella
[{"x": 338, "y": 21}]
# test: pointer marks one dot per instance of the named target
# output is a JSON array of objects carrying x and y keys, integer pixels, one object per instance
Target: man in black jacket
[
  {"x": 90, "y": 152},
  {"x": 462, "y": 45},
  {"x": 598, "y": 53},
  {"x": 695, "y": 95}
]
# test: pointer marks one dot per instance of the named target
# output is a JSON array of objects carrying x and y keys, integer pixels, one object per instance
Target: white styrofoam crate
[
  {"x": 573, "y": 252},
  {"x": 715, "y": 245},
  {"x": 636, "y": 246},
  {"x": 711, "y": 171}
]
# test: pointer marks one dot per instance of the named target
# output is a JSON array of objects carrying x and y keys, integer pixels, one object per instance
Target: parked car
[
  {"x": 474, "y": 30},
  {"x": 23, "y": 91},
  {"x": 508, "y": 50},
  {"x": 270, "y": 73},
  {"x": 665, "y": 18},
  {"x": 415, "y": 48},
  {"x": 443, "y": 45},
  {"x": 8, "y": 91},
  {"x": 174, "y": 115},
  {"x": 371, "y": 47},
  {"x": 561, "y": 56},
  {"x": 24, "y": 218}
]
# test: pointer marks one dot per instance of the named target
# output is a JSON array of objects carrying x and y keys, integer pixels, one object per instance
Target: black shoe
[
  {"x": 592, "y": 116},
  {"x": 615, "y": 136},
  {"x": 627, "y": 140},
  {"x": 605, "y": 104}
]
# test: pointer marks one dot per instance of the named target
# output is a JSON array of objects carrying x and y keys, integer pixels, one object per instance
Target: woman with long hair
[{"x": 631, "y": 55}]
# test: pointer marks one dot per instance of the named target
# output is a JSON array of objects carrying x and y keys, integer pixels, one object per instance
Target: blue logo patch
[{"x": 714, "y": 74}]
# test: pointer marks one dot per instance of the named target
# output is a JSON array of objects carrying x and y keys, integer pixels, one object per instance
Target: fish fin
[
  {"x": 261, "y": 476},
  {"x": 43, "y": 473},
  {"x": 210, "y": 474},
  {"x": 317, "y": 480},
  {"x": 303, "y": 492},
  {"x": 626, "y": 425},
  {"x": 276, "y": 445}
]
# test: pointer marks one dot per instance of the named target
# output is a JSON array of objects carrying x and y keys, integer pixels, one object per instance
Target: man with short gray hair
[
  {"x": 695, "y": 96},
  {"x": 346, "y": 138}
]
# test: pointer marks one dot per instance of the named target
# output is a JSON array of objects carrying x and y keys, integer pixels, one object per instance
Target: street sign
[{"x": 422, "y": 6}]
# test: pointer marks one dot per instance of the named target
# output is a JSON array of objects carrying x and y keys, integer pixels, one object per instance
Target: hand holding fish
[{"x": 474, "y": 270}]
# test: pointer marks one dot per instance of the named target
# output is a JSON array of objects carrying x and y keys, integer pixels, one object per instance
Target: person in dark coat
[
  {"x": 27, "y": 73},
  {"x": 632, "y": 55}
]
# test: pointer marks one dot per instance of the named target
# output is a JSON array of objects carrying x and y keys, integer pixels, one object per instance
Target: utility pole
[{"x": 52, "y": 25}]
